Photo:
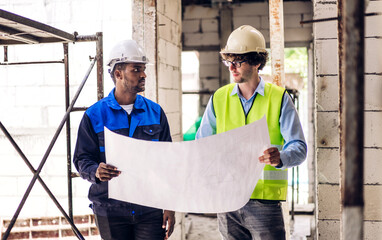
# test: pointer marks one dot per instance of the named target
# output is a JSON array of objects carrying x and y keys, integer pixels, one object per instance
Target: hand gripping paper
[{"x": 210, "y": 175}]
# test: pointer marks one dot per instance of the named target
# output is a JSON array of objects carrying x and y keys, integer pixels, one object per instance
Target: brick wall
[
  {"x": 327, "y": 137},
  {"x": 50, "y": 228}
]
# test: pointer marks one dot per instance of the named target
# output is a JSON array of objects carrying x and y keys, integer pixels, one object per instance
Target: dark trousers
[
  {"x": 141, "y": 227},
  {"x": 257, "y": 220}
]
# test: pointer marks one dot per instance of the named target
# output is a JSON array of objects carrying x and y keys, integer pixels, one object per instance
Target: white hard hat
[
  {"x": 245, "y": 39},
  {"x": 127, "y": 51}
]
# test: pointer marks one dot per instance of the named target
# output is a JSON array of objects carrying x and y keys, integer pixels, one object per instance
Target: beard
[
  {"x": 244, "y": 76},
  {"x": 136, "y": 88},
  {"x": 141, "y": 85},
  {"x": 240, "y": 80}
]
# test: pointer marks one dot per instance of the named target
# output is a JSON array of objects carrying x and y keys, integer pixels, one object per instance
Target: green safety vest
[{"x": 230, "y": 114}]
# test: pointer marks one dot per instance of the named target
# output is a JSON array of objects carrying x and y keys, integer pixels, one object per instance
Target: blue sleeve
[
  {"x": 87, "y": 154},
  {"x": 295, "y": 149},
  {"x": 208, "y": 124}
]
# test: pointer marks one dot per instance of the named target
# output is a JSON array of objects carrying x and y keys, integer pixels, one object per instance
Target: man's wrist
[{"x": 280, "y": 164}]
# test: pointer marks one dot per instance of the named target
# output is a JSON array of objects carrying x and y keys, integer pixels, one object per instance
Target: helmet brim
[{"x": 224, "y": 51}]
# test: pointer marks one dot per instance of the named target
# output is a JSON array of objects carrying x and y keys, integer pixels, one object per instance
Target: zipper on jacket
[{"x": 129, "y": 120}]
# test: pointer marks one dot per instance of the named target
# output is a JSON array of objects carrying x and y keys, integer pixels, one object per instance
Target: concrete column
[
  {"x": 145, "y": 33},
  {"x": 225, "y": 28},
  {"x": 311, "y": 120},
  {"x": 326, "y": 122},
  {"x": 276, "y": 28},
  {"x": 351, "y": 55}
]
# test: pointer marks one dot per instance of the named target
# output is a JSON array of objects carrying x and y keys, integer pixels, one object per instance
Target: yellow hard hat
[{"x": 245, "y": 39}]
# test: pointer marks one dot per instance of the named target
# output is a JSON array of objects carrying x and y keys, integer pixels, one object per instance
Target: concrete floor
[{"x": 200, "y": 227}]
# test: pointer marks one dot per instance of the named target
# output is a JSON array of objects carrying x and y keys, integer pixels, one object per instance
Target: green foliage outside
[{"x": 296, "y": 61}]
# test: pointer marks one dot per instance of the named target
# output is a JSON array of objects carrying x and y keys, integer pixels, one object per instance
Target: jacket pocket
[{"x": 152, "y": 132}]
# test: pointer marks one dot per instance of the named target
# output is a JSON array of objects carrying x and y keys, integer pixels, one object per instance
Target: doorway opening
[{"x": 190, "y": 96}]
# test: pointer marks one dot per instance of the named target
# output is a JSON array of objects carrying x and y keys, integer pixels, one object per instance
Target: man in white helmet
[
  {"x": 126, "y": 112},
  {"x": 246, "y": 100}
]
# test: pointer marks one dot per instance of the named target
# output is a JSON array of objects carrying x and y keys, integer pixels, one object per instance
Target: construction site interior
[{"x": 51, "y": 48}]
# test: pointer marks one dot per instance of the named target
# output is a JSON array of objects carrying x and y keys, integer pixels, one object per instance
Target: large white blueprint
[{"x": 210, "y": 175}]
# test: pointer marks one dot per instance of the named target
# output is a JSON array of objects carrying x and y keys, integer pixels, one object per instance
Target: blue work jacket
[{"x": 147, "y": 121}]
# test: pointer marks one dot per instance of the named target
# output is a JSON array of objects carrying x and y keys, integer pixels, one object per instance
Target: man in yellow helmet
[{"x": 247, "y": 100}]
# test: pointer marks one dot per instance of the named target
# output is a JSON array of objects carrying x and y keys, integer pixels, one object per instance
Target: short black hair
[
  {"x": 253, "y": 58},
  {"x": 118, "y": 66}
]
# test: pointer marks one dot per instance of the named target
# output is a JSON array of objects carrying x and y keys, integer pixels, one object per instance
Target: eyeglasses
[{"x": 236, "y": 64}]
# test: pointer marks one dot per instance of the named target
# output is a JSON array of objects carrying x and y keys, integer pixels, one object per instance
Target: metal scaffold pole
[{"x": 45, "y": 157}]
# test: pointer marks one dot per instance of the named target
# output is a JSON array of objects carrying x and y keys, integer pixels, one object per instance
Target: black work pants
[{"x": 140, "y": 227}]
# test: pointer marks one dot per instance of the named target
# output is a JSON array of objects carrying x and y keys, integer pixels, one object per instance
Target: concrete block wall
[
  {"x": 327, "y": 136},
  {"x": 169, "y": 85},
  {"x": 169, "y": 63},
  {"x": 201, "y": 33}
]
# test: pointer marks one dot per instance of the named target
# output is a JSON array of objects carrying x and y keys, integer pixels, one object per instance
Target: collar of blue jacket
[{"x": 112, "y": 102}]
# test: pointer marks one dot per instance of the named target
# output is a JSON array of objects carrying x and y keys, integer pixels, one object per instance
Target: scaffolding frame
[{"x": 17, "y": 30}]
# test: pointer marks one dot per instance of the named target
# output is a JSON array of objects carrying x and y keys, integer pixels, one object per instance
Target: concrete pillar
[
  {"x": 157, "y": 27},
  {"x": 145, "y": 33},
  {"x": 276, "y": 28},
  {"x": 311, "y": 120},
  {"x": 225, "y": 29}
]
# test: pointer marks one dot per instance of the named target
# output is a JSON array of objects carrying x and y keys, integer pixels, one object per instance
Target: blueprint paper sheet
[{"x": 210, "y": 175}]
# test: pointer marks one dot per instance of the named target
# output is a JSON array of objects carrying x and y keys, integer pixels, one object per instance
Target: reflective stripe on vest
[
  {"x": 275, "y": 175},
  {"x": 230, "y": 114}
]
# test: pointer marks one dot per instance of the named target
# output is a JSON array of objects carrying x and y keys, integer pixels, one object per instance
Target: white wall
[{"x": 32, "y": 99}]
